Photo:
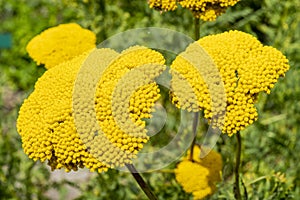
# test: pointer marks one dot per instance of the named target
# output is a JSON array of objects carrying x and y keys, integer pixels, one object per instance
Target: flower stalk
[
  {"x": 196, "y": 115},
  {"x": 195, "y": 127},
  {"x": 236, "y": 189},
  {"x": 145, "y": 187}
]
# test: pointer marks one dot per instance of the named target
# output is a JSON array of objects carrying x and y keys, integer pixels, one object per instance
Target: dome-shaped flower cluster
[
  {"x": 246, "y": 67},
  {"x": 49, "y": 120},
  {"x": 60, "y": 43},
  {"x": 199, "y": 176},
  {"x": 207, "y": 10}
]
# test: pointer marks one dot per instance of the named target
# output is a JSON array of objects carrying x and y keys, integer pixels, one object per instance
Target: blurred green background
[{"x": 271, "y": 146}]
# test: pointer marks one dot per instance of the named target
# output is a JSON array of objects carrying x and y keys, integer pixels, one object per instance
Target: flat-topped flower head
[
  {"x": 199, "y": 176},
  {"x": 247, "y": 68},
  {"x": 48, "y": 119},
  {"x": 207, "y": 10},
  {"x": 59, "y": 44}
]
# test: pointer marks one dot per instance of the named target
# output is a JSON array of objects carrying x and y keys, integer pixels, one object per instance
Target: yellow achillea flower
[
  {"x": 246, "y": 67},
  {"x": 60, "y": 43},
  {"x": 199, "y": 176},
  {"x": 46, "y": 121},
  {"x": 164, "y": 5},
  {"x": 207, "y": 10}
]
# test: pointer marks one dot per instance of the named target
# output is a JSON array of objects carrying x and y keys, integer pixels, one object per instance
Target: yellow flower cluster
[
  {"x": 207, "y": 10},
  {"x": 60, "y": 43},
  {"x": 200, "y": 176},
  {"x": 246, "y": 67},
  {"x": 47, "y": 123},
  {"x": 164, "y": 5}
]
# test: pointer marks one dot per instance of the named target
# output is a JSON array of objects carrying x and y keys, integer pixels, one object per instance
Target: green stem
[
  {"x": 236, "y": 189},
  {"x": 145, "y": 187},
  {"x": 195, "y": 126},
  {"x": 196, "y": 116}
]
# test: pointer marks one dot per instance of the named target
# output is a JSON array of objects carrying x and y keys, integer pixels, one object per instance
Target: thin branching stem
[
  {"x": 145, "y": 187},
  {"x": 236, "y": 189}
]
